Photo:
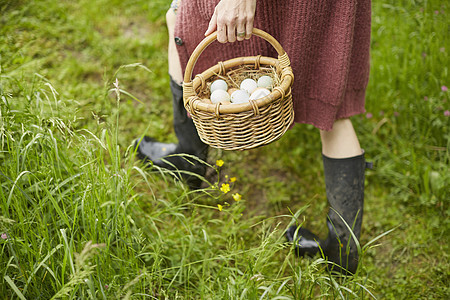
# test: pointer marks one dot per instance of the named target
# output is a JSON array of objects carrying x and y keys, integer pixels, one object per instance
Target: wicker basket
[{"x": 246, "y": 125}]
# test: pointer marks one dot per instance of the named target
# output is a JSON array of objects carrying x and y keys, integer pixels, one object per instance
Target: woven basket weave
[{"x": 246, "y": 125}]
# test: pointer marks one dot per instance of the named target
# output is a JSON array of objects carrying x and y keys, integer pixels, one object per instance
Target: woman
[{"x": 328, "y": 43}]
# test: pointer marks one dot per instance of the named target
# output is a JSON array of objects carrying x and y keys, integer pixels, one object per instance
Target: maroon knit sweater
[{"x": 327, "y": 41}]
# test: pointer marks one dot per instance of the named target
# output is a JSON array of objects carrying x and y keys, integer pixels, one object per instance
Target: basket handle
[{"x": 213, "y": 36}]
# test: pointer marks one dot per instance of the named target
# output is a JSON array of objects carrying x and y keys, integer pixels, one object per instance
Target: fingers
[
  {"x": 248, "y": 29},
  {"x": 225, "y": 25},
  {"x": 225, "y": 29},
  {"x": 212, "y": 24},
  {"x": 233, "y": 20},
  {"x": 231, "y": 30},
  {"x": 241, "y": 31},
  {"x": 216, "y": 23},
  {"x": 222, "y": 36}
]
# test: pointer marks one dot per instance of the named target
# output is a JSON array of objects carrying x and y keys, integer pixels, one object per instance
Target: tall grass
[
  {"x": 83, "y": 221},
  {"x": 82, "y": 218}
]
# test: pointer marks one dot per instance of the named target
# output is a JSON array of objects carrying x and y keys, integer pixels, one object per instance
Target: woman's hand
[{"x": 232, "y": 19}]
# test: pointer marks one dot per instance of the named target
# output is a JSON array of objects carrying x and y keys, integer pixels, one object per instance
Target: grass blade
[{"x": 14, "y": 287}]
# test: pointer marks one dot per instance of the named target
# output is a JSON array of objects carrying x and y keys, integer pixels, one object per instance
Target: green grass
[{"x": 84, "y": 219}]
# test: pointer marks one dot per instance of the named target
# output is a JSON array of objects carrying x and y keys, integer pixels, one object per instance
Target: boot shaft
[
  {"x": 344, "y": 182},
  {"x": 188, "y": 139}
]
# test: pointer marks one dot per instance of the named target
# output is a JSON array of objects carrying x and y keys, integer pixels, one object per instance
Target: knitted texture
[{"x": 327, "y": 41}]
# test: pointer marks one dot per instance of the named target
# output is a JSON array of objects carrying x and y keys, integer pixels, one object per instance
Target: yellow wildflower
[
  {"x": 220, "y": 207},
  {"x": 225, "y": 188},
  {"x": 237, "y": 197},
  {"x": 232, "y": 179},
  {"x": 219, "y": 162}
]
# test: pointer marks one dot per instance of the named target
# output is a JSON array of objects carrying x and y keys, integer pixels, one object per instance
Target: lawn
[{"x": 81, "y": 217}]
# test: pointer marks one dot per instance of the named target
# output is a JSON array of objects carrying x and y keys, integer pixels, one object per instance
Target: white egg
[
  {"x": 248, "y": 85},
  {"x": 259, "y": 93},
  {"x": 219, "y": 96},
  {"x": 239, "y": 96},
  {"x": 219, "y": 84},
  {"x": 265, "y": 81}
]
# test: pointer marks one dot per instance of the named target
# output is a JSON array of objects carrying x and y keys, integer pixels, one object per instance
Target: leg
[
  {"x": 344, "y": 166},
  {"x": 160, "y": 154},
  {"x": 173, "y": 59},
  {"x": 341, "y": 141}
]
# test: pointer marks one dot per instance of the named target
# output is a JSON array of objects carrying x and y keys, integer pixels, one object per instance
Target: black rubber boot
[
  {"x": 148, "y": 149},
  {"x": 344, "y": 181}
]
